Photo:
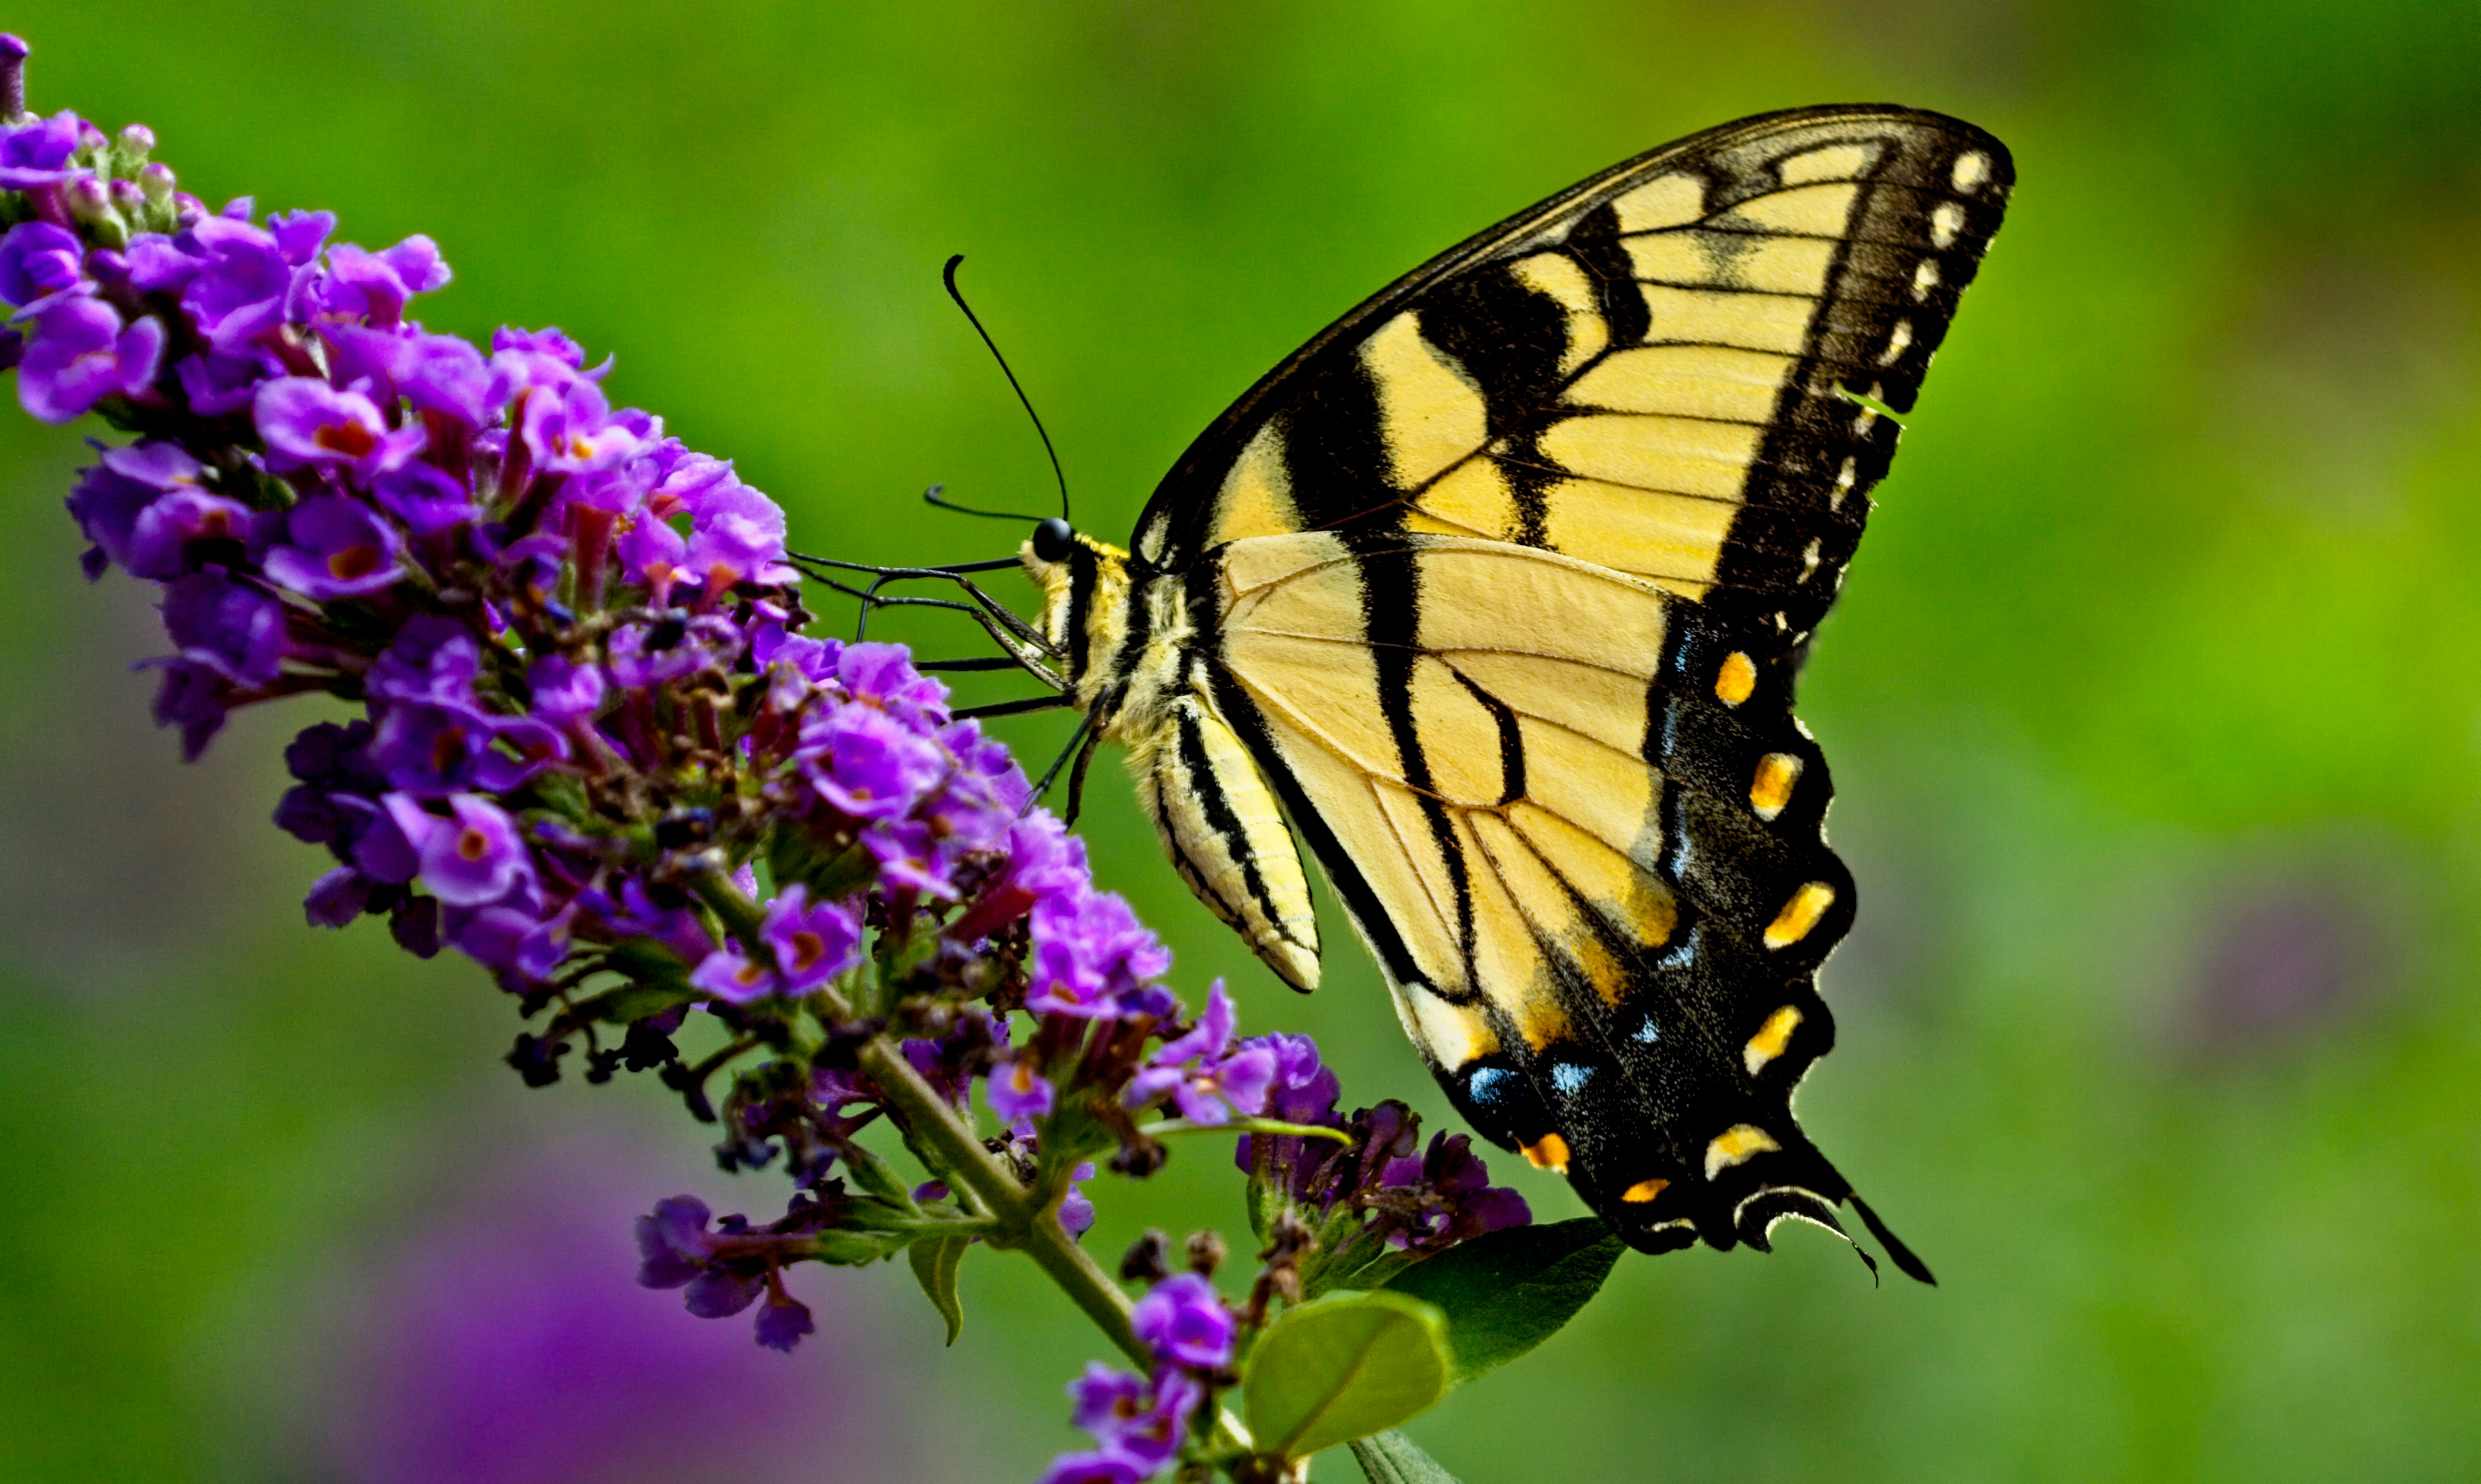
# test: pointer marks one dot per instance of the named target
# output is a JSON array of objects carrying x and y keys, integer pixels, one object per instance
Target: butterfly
[{"x": 1497, "y": 590}]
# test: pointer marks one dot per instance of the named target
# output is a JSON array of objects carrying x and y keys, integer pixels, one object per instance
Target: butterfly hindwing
[{"x": 1601, "y": 944}]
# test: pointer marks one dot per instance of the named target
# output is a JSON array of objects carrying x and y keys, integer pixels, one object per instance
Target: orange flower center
[{"x": 351, "y": 440}]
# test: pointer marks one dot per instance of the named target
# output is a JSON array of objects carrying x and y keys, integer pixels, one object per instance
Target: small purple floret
[
  {"x": 812, "y": 942},
  {"x": 336, "y": 547},
  {"x": 80, "y": 353},
  {"x": 39, "y": 260},
  {"x": 1185, "y": 1322}
]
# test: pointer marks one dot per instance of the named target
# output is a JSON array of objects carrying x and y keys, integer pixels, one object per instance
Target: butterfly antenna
[
  {"x": 958, "y": 295},
  {"x": 936, "y": 495}
]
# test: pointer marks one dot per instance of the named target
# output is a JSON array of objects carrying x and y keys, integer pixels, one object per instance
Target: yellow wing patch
[{"x": 1487, "y": 883}]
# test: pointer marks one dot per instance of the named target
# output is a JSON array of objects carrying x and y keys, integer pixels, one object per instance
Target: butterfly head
[{"x": 1052, "y": 540}]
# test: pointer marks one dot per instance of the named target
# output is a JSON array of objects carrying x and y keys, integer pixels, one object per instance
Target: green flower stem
[
  {"x": 1245, "y": 1125},
  {"x": 1032, "y": 1229},
  {"x": 1021, "y": 1224}
]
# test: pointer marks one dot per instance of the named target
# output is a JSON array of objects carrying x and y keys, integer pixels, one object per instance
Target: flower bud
[
  {"x": 136, "y": 141},
  {"x": 89, "y": 201},
  {"x": 92, "y": 142},
  {"x": 157, "y": 181},
  {"x": 126, "y": 198},
  {"x": 188, "y": 210}
]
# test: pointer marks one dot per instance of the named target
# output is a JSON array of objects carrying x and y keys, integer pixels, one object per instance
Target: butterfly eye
[{"x": 1054, "y": 539}]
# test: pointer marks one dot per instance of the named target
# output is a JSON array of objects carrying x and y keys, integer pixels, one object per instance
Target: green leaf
[
  {"x": 934, "y": 1267},
  {"x": 1344, "y": 1366},
  {"x": 1391, "y": 1458},
  {"x": 1505, "y": 1291}
]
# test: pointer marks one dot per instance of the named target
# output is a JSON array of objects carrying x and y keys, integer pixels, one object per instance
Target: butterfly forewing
[{"x": 1502, "y": 582}]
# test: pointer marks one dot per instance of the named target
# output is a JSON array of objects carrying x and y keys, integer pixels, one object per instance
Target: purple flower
[
  {"x": 372, "y": 287},
  {"x": 109, "y": 496},
  {"x": 1043, "y": 860},
  {"x": 570, "y": 429},
  {"x": 308, "y": 424},
  {"x": 474, "y": 857},
  {"x": 564, "y": 691},
  {"x": 157, "y": 264},
  {"x": 1469, "y": 1204},
  {"x": 812, "y": 943},
  {"x": 337, "y": 898},
  {"x": 651, "y": 552},
  {"x": 299, "y": 234},
  {"x": 446, "y": 375},
  {"x": 38, "y": 153},
  {"x": 734, "y": 977},
  {"x": 549, "y": 344},
  {"x": 364, "y": 360},
  {"x": 1143, "y": 1422},
  {"x": 434, "y": 748},
  {"x": 336, "y": 548},
  {"x": 1205, "y": 1083},
  {"x": 236, "y": 631},
  {"x": 1093, "y": 958},
  {"x": 783, "y": 1323},
  {"x": 987, "y": 760},
  {"x": 39, "y": 260},
  {"x": 1302, "y": 1090},
  {"x": 187, "y": 530},
  {"x": 423, "y": 497},
  {"x": 635, "y": 914},
  {"x": 243, "y": 283},
  {"x": 643, "y": 655},
  {"x": 81, "y": 354},
  {"x": 432, "y": 657},
  {"x": 217, "y": 383},
  {"x": 734, "y": 548},
  {"x": 1076, "y": 1208},
  {"x": 673, "y": 1244},
  {"x": 884, "y": 673},
  {"x": 509, "y": 939},
  {"x": 912, "y": 855},
  {"x": 1185, "y": 1322},
  {"x": 869, "y": 765},
  {"x": 195, "y": 697},
  {"x": 720, "y": 1292},
  {"x": 1019, "y": 1091}
]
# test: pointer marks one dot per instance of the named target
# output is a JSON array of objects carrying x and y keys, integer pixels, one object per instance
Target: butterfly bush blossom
[{"x": 597, "y": 754}]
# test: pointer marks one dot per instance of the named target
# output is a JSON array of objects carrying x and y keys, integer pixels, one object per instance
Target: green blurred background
[{"x": 2153, "y": 703}]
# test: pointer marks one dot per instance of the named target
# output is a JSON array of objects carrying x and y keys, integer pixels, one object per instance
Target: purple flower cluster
[
  {"x": 559, "y": 621},
  {"x": 1379, "y": 1193},
  {"x": 1138, "y": 1423}
]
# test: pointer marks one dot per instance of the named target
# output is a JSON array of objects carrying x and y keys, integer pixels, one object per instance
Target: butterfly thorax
[{"x": 1118, "y": 675}]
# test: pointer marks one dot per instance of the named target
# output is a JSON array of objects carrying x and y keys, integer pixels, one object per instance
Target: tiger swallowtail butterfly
[{"x": 1497, "y": 589}]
